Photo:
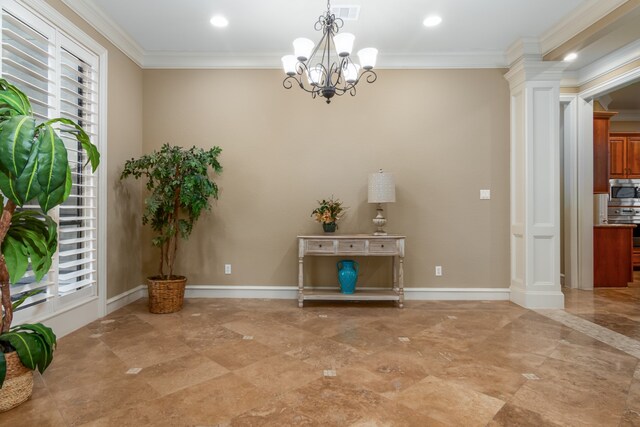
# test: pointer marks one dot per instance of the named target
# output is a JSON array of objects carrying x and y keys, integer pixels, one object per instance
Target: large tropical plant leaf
[
  {"x": 16, "y": 258},
  {"x": 37, "y": 234},
  {"x": 13, "y": 101},
  {"x": 29, "y": 348},
  {"x": 82, "y": 137},
  {"x": 19, "y": 159},
  {"x": 46, "y": 335},
  {"x": 52, "y": 168}
]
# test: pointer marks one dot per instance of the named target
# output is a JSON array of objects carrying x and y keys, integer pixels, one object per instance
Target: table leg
[
  {"x": 395, "y": 273},
  {"x": 401, "y": 281},
  {"x": 300, "y": 282}
]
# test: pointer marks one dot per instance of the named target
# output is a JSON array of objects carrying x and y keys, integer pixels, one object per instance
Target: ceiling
[{"x": 260, "y": 28}]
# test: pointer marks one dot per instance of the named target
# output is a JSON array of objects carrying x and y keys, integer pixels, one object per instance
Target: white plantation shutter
[
  {"x": 28, "y": 61},
  {"x": 61, "y": 79},
  {"x": 77, "y": 269}
]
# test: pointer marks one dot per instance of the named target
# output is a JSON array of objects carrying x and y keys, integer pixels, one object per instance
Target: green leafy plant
[
  {"x": 180, "y": 189},
  {"x": 329, "y": 211},
  {"x": 33, "y": 166}
]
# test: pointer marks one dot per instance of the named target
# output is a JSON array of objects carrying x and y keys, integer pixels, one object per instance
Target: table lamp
[{"x": 382, "y": 189}]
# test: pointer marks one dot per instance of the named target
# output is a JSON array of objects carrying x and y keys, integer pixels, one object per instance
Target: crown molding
[
  {"x": 617, "y": 59},
  {"x": 91, "y": 13},
  {"x": 579, "y": 20}
]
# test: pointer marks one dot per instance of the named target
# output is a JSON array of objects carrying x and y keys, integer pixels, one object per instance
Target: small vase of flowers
[{"x": 328, "y": 214}]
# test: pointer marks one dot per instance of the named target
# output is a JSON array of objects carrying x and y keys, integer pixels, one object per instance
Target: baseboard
[
  {"x": 291, "y": 292},
  {"x": 457, "y": 294},
  {"x": 229, "y": 291},
  {"x": 126, "y": 298}
]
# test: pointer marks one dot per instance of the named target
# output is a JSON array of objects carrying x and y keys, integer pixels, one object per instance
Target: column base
[{"x": 537, "y": 299}]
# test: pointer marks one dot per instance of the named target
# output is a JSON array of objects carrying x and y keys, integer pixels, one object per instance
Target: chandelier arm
[
  {"x": 369, "y": 75},
  {"x": 288, "y": 84}
]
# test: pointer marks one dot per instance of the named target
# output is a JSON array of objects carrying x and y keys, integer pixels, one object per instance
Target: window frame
[{"x": 68, "y": 316}]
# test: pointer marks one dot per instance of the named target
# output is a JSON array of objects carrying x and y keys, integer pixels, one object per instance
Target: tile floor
[{"x": 263, "y": 362}]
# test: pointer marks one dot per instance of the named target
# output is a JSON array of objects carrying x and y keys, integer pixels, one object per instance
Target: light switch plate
[
  {"x": 227, "y": 269},
  {"x": 485, "y": 194}
]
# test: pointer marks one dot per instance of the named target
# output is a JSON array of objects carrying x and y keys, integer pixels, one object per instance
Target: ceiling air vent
[{"x": 346, "y": 13}]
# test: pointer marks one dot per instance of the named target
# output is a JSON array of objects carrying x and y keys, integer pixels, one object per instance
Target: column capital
[{"x": 531, "y": 69}]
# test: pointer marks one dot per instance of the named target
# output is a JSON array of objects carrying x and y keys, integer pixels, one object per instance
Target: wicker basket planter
[
  {"x": 166, "y": 295},
  {"x": 18, "y": 383}
]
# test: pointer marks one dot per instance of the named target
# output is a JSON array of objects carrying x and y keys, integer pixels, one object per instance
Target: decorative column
[{"x": 535, "y": 181}]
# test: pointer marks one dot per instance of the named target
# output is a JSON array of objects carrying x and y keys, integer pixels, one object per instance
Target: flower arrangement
[{"x": 329, "y": 211}]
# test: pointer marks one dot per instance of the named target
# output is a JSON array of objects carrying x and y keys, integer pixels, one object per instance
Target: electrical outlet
[
  {"x": 227, "y": 269},
  {"x": 485, "y": 194},
  {"x": 438, "y": 270}
]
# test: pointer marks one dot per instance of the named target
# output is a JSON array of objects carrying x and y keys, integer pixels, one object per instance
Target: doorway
[{"x": 577, "y": 203}]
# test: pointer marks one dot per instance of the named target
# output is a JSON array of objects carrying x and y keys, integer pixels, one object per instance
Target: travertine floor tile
[
  {"x": 218, "y": 400},
  {"x": 176, "y": 374},
  {"x": 513, "y": 416},
  {"x": 238, "y": 354},
  {"x": 574, "y": 394},
  {"x": 450, "y": 403},
  {"x": 279, "y": 374},
  {"x": 91, "y": 401}
]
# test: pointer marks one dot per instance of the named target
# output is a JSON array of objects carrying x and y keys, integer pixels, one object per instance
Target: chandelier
[{"x": 327, "y": 67}]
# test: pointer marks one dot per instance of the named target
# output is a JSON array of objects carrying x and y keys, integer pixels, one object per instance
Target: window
[{"x": 60, "y": 76}]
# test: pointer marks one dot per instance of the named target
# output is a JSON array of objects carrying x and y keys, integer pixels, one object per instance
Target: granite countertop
[{"x": 615, "y": 226}]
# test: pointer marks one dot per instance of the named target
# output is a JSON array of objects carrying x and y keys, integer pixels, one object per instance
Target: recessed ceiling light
[
  {"x": 571, "y": 57},
  {"x": 432, "y": 21},
  {"x": 219, "y": 21}
]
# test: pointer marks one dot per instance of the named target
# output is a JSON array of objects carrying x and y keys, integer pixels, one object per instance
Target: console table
[{"x": 353, "y": 245}]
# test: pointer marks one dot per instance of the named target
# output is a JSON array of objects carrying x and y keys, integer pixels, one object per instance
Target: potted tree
[
  {"x": 179, "y": 190},
  {"x": 33, "y": 166}
]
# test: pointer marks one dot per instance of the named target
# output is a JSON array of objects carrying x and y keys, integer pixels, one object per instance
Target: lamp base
[{"x": 379, "y": 221}]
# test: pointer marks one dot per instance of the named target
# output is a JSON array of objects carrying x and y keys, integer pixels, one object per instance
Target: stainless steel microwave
[{"x": 624, "y": 192}]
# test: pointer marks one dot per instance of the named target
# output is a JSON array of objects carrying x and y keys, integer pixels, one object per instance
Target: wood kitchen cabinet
[
  {"x": 601, "y": 151},
  {"x": 624, "y": 155},
  {"x": 613, "y": 255}
]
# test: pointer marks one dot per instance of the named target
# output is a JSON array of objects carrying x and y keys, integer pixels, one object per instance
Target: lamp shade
[
  {"x": 344, "y": 43},
  {"x": 303, "y": 48},
  {"x": 368, "y": 57},
  {"x": 315, "y": 75},
  {"x": 289, "y": 63},
  {"x": 351, "y": 72},
  {"x": 382, "y": 188}
]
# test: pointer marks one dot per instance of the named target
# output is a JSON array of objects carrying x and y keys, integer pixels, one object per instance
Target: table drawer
[
  {"x": 345, "y": 246},
  {"x": 383, "y": 247},
  {"x": 320, "y": 247}
]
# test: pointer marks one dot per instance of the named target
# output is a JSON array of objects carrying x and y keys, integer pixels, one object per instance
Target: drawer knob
[
  {"x": 350, "y": 246},
  {"x": 383, "y": 246},
  {"x": 320, "y": 245}
]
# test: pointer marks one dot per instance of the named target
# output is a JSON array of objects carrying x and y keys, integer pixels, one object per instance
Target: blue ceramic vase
[
  {"x": 347, "y": 275},
  {"x": 329, "y": 227}
]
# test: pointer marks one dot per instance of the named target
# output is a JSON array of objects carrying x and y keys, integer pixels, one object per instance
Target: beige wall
[
  {"x": 124, "y": 141},
  {"x": 444, "y": 133},
  {"x": 616, "y": 126}
]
